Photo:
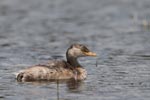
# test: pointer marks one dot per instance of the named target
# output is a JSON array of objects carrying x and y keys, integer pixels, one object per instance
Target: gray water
[{"x": 35, "y": 31}]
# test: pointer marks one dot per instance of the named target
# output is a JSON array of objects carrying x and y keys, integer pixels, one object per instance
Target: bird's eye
[{"x": 85, "y": 49}]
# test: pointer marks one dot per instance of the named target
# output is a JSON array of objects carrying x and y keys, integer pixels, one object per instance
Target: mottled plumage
[{"x": 58, "y": 69}]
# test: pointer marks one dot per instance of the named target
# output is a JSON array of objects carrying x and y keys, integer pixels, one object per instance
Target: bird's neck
[{"x": 73, "y": 61}]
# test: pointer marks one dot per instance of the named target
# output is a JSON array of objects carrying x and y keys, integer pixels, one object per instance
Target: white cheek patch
[{"x": 75, "y": 52}]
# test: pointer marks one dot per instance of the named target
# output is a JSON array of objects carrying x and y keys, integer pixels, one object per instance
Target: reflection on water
[{"x": 72, "y": 85}]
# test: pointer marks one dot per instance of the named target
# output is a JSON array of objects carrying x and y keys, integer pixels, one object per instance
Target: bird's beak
[{"x": 90, "y": 54}]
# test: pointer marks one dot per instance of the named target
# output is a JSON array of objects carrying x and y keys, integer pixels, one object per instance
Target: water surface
[{"x": 35, "y": 31}]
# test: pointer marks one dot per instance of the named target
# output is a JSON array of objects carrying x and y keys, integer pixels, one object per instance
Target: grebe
[{"x": 58, "y": 69}]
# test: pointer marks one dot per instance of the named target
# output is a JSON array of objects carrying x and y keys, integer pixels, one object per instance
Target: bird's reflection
[{"x": 72, "y": 85}]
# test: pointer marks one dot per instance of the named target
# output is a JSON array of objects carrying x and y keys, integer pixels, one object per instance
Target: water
[{"x": 35, "y": 31}]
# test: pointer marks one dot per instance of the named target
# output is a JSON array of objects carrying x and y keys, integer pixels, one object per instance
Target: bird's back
[{"x": 53, "y": 70}]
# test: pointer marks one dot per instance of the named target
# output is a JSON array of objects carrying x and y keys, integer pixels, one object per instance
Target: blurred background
[{"x": 35, "y": 31}]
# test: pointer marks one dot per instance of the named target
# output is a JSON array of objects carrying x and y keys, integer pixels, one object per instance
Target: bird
[{"x": 58, "y": 69}]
